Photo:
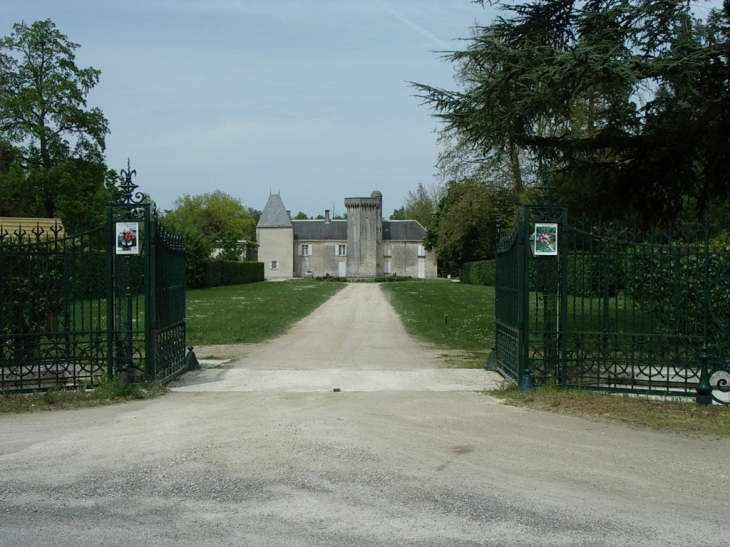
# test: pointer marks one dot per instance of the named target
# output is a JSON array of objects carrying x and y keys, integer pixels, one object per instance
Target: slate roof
[
  {"x": 318, "y": 230},
  {"x": 403, "y": 230},
  {"x": 274, "y": 214}
]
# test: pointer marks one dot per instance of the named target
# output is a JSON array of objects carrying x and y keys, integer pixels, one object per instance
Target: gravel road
[{"x": 261, "y": 451}]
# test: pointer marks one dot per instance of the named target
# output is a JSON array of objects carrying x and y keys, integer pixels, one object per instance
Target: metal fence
[
  {"x": 53, "y": 321},
  {"x": 110, "y": 301},
  {"x": 602, "y": 307}
]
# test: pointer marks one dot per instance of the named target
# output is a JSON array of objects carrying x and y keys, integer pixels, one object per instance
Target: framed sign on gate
[
  {"x": 546, "y": 239},
  {"x": 127, "y": 238}
]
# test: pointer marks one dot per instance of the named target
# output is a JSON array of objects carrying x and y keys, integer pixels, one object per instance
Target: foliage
[
  {"x": 460, "y": 159},
  {"x": 626, "y": 101},
  {"x": 206, "y": 221},
  {"x": 251, "y": 313},
  {"x": 463, "y": 228},
  {"x": 214, "y": 215},
  {"x": 478, "y": 273},
  {"x": 52, "y": 144},
  {"x": 419, "y": 205},
  {"x": 224, "y": 272},
  {"x": 301, "y": 216},
  {"x": 197, "y": 252},
  {"x": 229, "y": 248}
]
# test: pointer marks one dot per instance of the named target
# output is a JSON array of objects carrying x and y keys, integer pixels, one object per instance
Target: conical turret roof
[{"x": 274, "y": 214}]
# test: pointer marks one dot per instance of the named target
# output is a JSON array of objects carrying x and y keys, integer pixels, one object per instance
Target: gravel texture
[{"x": 262, "y": 451}]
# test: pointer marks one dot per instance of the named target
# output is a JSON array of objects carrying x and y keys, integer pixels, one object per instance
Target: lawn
[
  {"x": 452, "y": 315},
  {"x": 251, "y": 313}
]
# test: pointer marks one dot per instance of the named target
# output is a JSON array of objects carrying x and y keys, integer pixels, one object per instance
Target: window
[
  {"x": 274, "y": 265},
  {"x": 386, "y": 267},
  {"x": 340, "y": 250},
  {"x": 421, "y": 251},
  {"x": 387, "y": 251},
  {"x": 305, "y": 250}
]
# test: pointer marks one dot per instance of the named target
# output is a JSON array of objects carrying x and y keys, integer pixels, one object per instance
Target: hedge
[
  {"x": 224, "y": 272},
  {"x": 478, "y": 273}
]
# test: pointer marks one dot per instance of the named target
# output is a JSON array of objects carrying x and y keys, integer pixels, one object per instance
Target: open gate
[
  {"x": 601, "y": 307},
  {"x": 110, "y": 301}
]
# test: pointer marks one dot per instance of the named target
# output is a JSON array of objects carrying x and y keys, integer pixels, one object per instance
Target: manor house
[{"x": 361, "y": 246}]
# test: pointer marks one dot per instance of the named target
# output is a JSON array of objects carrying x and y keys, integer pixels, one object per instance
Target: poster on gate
[
  {"x": 546, "y": 239},
  {"x": 127, "y": 238}
]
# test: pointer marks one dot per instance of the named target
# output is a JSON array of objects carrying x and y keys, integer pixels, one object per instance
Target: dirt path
[
  {"x": 354, "y": 342},
  {"x": 215, "y": 464}
]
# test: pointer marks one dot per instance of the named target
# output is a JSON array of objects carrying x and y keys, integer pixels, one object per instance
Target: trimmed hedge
[
  {"x": 223, "y": 272},
  {"x": 483, "y": 272}
]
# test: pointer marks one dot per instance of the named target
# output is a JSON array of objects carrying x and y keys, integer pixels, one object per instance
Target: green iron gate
[
  {"x": 529, "y": 271},
  {"x": 146, "y": 286},
  {"x": 600, "y": 307},
  {"x": 110, "y": 301}
]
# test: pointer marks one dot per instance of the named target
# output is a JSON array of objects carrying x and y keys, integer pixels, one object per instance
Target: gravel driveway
[{"x": 262, "y": 451}]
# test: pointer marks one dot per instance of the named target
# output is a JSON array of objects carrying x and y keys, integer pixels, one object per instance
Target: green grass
[
  {"x": 662, "y": 414},
  {"x": 57, "y": 399},
  {"x": 424, "y": 305},
  {"x": 251, "y": 313}
]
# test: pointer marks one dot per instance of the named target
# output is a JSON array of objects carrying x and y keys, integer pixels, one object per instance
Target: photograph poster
[
  {"x": 546, "y": 239},
  {"x": 127, "y": 238}
]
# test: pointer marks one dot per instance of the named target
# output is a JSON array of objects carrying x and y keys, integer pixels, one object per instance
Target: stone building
[{"x": 361, "y": 246}]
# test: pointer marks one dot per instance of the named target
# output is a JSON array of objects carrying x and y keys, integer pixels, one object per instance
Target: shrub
[
  {"x": 479, "y": 273},
  {"x": 224, "y": 272}
]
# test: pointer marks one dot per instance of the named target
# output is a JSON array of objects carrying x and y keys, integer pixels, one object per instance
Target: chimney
[
  {"x": 288, "y": 213},
  {"x": 326, "y": 216}
]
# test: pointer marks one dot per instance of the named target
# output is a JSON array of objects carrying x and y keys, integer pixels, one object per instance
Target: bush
[
  {"x": 212, "y": 270},
  {"x": 483, "y": 272},
  {"x": 197, "y": 251},
  {"x": 224, "y": 272}
]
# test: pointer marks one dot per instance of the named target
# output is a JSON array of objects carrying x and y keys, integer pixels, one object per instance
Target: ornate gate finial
[{"x": 128, "y": 187}]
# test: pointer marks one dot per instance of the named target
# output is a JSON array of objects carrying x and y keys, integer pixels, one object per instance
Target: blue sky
[{"x": 308, "y": 98}]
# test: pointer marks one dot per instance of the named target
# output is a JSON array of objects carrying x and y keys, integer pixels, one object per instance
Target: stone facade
[
  {"x": 275, "y": 236},
  {"x": 362, "y": 246}
]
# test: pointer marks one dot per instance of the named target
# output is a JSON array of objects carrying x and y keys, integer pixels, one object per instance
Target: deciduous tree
[
  {"x": 53, "y": 142},
  {"x": 463, "y": 227},
  {"x": 214, "y": 215}
]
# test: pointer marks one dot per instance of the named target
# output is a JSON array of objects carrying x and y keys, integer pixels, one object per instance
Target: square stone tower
[{"x": 365, "y": 236}]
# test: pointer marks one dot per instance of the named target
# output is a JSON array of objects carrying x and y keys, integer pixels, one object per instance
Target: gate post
[
  {"x": 128, "y": 269},
  {"x": 543, "y": 231}
]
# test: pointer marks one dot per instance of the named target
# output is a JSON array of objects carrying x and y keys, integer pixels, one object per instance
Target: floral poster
[
  {"x": 546, "y": 239},
  {"x": 127, "y": 238}
]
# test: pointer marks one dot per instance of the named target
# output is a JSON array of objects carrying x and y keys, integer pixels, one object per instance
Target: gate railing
[
  {"x": 53, "y": 320},
  {"x": 110, "y": 301},
  {"x": 612, "y": 309},
  {"x": 167, "y": 294}
]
